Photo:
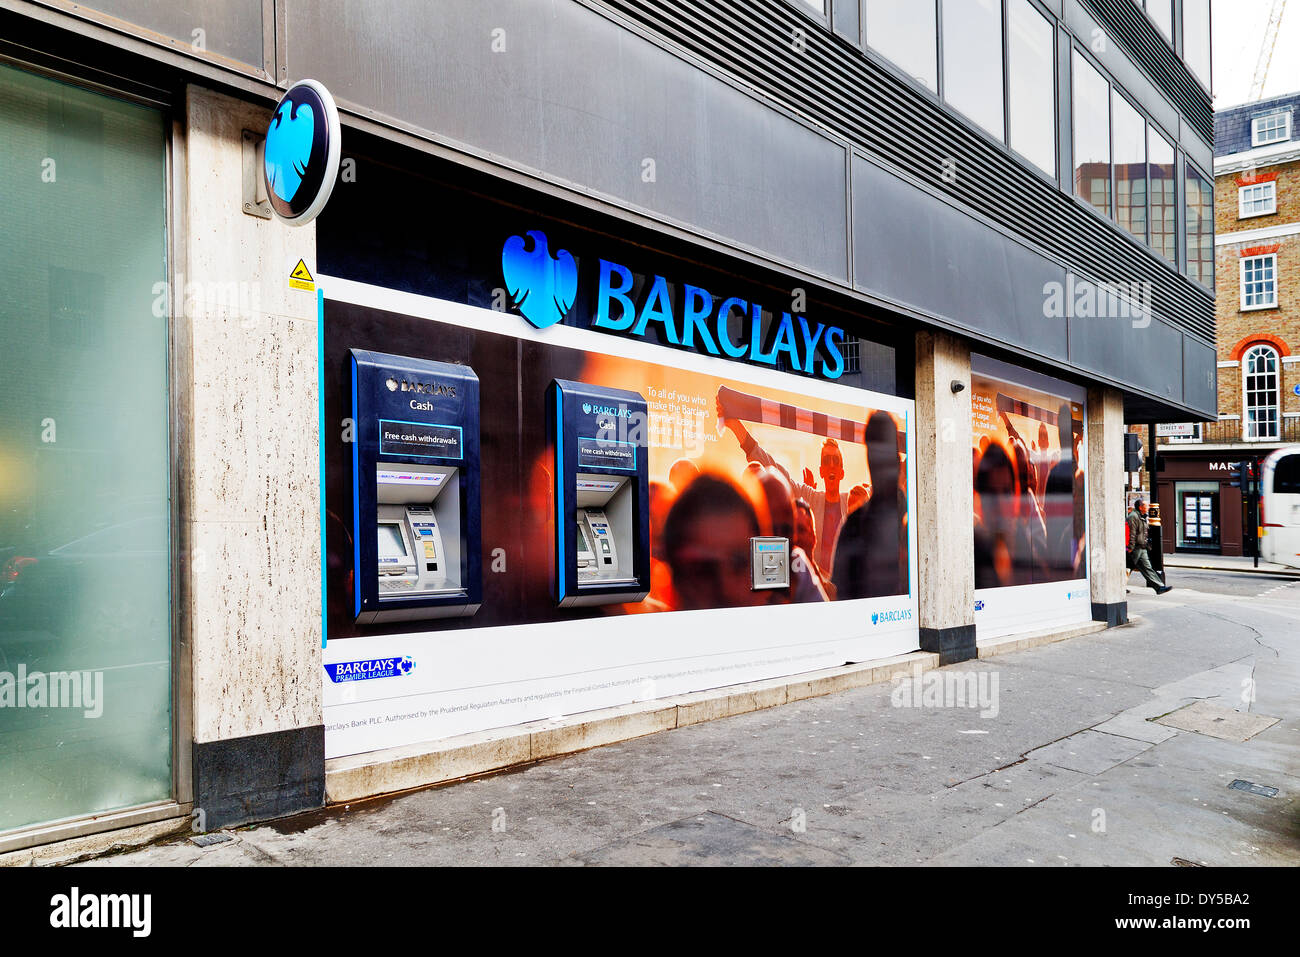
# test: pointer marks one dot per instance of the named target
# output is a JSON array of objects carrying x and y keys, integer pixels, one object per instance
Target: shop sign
[
  {"x": 544, "y": 286},
  {"x": 303, "y": 143}
]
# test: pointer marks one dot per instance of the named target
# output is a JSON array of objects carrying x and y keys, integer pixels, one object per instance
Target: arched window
[{"x": 1261, "y": 400}]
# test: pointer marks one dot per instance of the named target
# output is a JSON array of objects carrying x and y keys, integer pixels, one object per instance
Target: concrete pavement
[
  {"x": 1059, "y": 762},
  {"x": 1228, "y": 563}
]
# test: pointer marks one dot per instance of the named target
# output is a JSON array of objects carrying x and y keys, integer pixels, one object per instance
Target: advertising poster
[
  {"x": 731, "y": 453},
  {"x": 1028, "y": 464}
]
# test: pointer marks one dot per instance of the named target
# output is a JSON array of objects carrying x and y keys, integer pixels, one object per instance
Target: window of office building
[
  {"x": 906, "y": 33},
  {"x": 84, "y": 454},
  {"x": 1270, "y": 128},
  {"x": 1260, "y": 391},
  {"x": 1199, "y": 212},
  {"x": 1031, "y": 75},
  {"x": 1259, "y": 282},
  {"x": 1196, "y": 38},
  {"x": 1161, "y": 13},
  {"x": 1130, "y": 139},
  {"x": 1258, "y": 199},
  {"x": 972, "y": 61},
  {"x": 1164, "y": 199},
  {"x": 1091, "y": 99}
]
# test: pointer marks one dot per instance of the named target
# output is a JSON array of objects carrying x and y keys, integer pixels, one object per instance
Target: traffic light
[
  {"x": 1244, "y": 475},
  {"x": 1132, "y": 452}
]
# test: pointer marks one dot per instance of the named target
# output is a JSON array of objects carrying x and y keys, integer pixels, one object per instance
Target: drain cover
[
  {"x": 216, "y": 837},
  {"x": 1216, "y": 721},
  {"x": 1261, "y": 789}
]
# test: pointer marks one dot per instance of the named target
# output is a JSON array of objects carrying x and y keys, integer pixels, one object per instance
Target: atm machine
[
  {"x": 602, "y": 494},
  {"x": 415, "y": 478}
]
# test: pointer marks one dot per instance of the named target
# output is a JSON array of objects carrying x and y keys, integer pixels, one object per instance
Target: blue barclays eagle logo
[
  {"x": 875, "y": 617},
  {"x": 543, "y": 287},
  {"x": 289, "y": 141}
]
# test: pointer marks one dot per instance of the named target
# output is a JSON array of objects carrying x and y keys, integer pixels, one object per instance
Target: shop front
[
  {"x": 1202, "y": 512},
  {"x": 565, "y": 472}
]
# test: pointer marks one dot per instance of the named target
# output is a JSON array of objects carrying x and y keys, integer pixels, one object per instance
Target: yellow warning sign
[{"x": 300, "y": 278}]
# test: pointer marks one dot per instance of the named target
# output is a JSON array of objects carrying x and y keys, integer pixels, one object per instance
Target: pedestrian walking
[{"x": 1137, "y": 545}]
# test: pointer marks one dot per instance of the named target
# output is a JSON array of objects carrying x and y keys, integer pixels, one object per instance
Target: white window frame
[
  {"x": 1257, "y": 140},
  {"x": 1268, "y": 194},
  {"x": 1261, "y": 350},
  {"x": 1272, "y": 302}
]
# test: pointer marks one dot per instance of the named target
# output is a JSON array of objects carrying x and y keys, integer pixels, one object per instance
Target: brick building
[{"x": 1257, "y": 259}]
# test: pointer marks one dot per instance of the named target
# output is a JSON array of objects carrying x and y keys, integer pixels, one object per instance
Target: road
[{"x": 1065, "y": 768}]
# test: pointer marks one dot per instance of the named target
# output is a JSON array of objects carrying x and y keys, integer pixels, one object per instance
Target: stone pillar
[
  {"x": 248, "y": 428},
  {"x": 944, "y": 497},
  {"x": 1106, "y": 571}
]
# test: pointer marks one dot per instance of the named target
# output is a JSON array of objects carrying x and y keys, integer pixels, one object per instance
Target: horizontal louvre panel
[{"x": 834, "y": 84}]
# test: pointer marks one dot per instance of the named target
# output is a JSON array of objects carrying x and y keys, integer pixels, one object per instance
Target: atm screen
[
  {"x": 391, "y": 544},
  {"x": 583, "y": 544}
]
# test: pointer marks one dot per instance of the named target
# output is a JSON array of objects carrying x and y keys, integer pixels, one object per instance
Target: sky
[{"x": 1238, "y": 27}]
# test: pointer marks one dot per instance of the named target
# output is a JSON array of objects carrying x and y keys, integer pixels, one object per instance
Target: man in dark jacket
[{"x": 1137, "y": 544}]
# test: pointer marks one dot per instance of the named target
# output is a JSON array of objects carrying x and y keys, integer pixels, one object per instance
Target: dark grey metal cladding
[
  {"x": 913, "y": 248},
  {"x": 1200, "y": 375},
  {"x": 573, "y": 95},
  {"x": 231, "y": 28},
  {"x": 1146, "y": 354}
]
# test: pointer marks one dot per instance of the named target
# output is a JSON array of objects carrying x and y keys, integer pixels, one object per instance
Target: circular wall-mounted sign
[{"x": 303, "y": 142}]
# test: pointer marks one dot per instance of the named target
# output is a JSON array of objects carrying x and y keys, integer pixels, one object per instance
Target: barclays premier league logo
[
  {"x": 543, "y": 287},
  {"x": 893, "y": 615},
  {"x": 370, "y": 668},
  {"x": 302, "y": 153}
]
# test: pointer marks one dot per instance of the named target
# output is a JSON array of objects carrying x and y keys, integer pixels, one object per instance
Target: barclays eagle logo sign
[
  {"x": 543, "y": 287},
  {"x": 288, "y": 147},
  {"x": 301, "y": 159}
]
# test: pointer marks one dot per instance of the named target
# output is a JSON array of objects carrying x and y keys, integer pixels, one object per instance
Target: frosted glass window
[
  {"x": 972, "y": 61},
  {"x": 1031, "y": 71},
  {"x": 905, "y": 33},
  {"x": 84, "y": 460},
  {"x": 1196, "y": 38}
]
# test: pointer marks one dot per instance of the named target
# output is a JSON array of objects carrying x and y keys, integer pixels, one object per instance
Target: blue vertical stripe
[
  {"x": 560, "y": 523},
  {"x": 356, "y": 496},
  {"x": 320, "y": 387}
]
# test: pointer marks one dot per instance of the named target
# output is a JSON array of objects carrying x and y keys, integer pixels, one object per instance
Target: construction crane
[{"x": 1266, "y": 50}]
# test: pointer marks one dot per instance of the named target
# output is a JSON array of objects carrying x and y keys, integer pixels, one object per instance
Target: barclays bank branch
[{"x": 564, "y": 375}]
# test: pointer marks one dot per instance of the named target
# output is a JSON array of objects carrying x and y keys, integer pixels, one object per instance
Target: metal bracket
[{"x": 256, "y": 202}]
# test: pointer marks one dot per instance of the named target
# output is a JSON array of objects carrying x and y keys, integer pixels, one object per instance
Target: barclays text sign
[{"x": 544, "y": 286}]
